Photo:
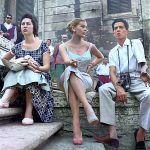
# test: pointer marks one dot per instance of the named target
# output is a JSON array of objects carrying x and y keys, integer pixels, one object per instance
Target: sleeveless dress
[
  {"x": 80, "y": 71},
  {"x": 39, "y": 84}
]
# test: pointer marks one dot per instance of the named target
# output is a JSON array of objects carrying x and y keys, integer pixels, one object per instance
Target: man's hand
[
  {"x": 121, "y": 95},
  {"x": 146, "y": 78},
  {"x": 144, "y": 68}
]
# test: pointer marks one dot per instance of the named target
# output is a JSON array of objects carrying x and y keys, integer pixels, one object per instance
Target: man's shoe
[
  {"x": 139, "y": 145},
  {"x": 107, "y": 140}
]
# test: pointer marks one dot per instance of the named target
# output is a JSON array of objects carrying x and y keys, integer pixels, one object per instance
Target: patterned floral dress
[{"x": 42, "y": 98}]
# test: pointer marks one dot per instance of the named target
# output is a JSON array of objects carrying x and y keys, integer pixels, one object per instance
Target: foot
[
  {"x": 4, "y": 104},
  {"x": 91, "y": 117},
  {"x": 27, "y": 121},
  {"x": 107, "y": 140},
  {"x": 77, "y": 138},
  {"x": 77, "y": 141},
  {"x": 140, "y": 145}
]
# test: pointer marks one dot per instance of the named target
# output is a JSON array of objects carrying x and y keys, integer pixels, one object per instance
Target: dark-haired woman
[{"x": 37, "y": 83}]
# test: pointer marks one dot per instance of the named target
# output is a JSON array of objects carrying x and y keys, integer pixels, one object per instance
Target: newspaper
[{"x": 5, "y": 46}]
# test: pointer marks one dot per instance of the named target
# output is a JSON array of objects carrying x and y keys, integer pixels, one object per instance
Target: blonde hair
[{"x": 74, "y": 23}]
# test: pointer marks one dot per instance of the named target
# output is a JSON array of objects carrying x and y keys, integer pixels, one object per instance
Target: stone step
[
  {"x": 63, "y": 141},
  {"x": 15, "y": 136},
  {"x": 7, "y": 114}
]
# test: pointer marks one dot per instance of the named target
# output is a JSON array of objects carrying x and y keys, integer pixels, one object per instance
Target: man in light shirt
[
  {"x": 127, "y": 67},
  {"x": 49, "y": 43},
  {"x": 8, "y": 30}
]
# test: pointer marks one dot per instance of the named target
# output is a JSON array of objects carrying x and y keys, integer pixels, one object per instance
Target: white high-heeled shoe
[
  {"x": 92, "y": 119},
  {"x": 27, "y": 121}
]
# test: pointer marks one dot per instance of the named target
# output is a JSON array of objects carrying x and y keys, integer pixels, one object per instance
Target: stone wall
[
  {"x": 55, "y": 15},
  {"x": 126, "y": 118},
  {"x": 2, "y": 9}
]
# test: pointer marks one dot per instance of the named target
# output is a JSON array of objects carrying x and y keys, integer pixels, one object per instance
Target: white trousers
[{"x": 107, "y": 95}]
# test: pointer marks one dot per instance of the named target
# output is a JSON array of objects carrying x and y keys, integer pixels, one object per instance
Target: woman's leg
[
  {"x": 74, "y": 104},
  {"x": 28, "y": 118},
  {"x": 29, "y": 106},
  {"x": 8, "y": 94},
  {"x": 79, "y": 90}
]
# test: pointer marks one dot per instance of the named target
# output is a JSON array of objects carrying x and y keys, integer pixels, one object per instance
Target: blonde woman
[{"x": 77, "y": 55}]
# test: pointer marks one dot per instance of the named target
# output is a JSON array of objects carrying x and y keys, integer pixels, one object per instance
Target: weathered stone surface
[
  {"x": 9, "y": 114},
  {"x": 56, "y": 3},
  {"x": 59, "y": 10},
  {"x": 64, "y": 142},
  {"x": 126, "y": 119},
  {"x": 18, "y": 137},
  {"x": 4, "y": 112},
  {"x": 59, "y": 18}
]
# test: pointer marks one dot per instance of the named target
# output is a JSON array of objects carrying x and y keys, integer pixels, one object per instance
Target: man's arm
[{"x": 121, "y": 95}]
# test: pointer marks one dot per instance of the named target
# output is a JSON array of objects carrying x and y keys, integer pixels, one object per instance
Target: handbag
[{"x": 14, "y": 65}]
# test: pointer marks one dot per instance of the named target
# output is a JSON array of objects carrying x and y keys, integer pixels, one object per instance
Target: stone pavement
[
  {"x": 15, "y": 136},
  {"x": 64, "y": 142}
]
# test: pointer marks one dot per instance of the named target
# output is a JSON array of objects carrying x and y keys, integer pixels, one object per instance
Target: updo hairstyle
[{"x": 74, "y": 23}]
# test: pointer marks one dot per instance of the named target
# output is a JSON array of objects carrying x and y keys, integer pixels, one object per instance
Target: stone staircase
[
  {"x": 126, "y": 119},
  {"x": 9, "y": 115},
  {"x": 15, "y": 136}
]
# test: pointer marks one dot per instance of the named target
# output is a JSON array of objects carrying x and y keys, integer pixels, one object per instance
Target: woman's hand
[
  {"x": 73, "y": 63},
  {"x": 33, "y": 69},
  {"x": 23, "y": 61},
  {"x": 89, "y": 67}
]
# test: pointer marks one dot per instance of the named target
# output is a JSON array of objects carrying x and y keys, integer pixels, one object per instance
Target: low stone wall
[{"x": 126, "y": 118}]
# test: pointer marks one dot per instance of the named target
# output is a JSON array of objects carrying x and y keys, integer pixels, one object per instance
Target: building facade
[{"x": 54, "y": 15}]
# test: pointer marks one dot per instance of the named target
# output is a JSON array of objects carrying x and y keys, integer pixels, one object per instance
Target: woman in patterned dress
[{"x": 37, "y": 83}]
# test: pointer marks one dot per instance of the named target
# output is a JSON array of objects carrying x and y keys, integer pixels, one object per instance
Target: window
[{"x": 118, "y": 6}]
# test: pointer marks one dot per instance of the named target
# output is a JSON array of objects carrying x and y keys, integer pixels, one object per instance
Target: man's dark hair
[
  {"x": 9, "y": 15},
  {"x": 121, "y": 20},
  {"x": 49, "y": 40},
  {"x": 34, "y": 22}
]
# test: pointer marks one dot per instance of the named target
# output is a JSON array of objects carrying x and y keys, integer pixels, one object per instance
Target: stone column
[{"x": 145, "y": 5}]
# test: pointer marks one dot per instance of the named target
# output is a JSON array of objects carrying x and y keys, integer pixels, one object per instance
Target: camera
[{"x": 125, "y": 81}]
